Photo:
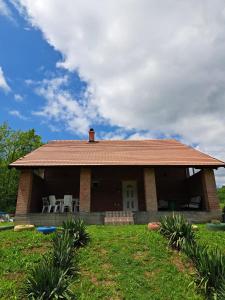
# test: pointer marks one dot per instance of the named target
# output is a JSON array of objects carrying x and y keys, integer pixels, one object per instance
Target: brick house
[{"x": 149, "y": 178}]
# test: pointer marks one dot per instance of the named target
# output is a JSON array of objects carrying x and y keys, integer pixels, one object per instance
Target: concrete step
[{"x": 118, "y": 218}]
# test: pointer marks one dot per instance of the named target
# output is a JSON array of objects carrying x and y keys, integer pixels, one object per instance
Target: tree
[
  {"x": 13, "y": 145},
  {"x": 221, "y": 194}
]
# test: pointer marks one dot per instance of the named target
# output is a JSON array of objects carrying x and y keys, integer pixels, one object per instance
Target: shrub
[
  {"x": 210, "y": 267},
  {"x": 46, "y": 281},
  {"x": 177, "y": 230},
  {"x": 221, "y": 291},
  {"x": 214, "y": 221},
  {"x": 63, "y": 255},
  {"x": 77, "y": 229}
]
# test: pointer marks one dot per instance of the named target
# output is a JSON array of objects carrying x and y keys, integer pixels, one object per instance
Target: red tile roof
[{"x": 124, "y": 152}]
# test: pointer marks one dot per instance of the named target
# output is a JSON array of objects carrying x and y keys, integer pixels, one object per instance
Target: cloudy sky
[{"x": 129, "y": 68}]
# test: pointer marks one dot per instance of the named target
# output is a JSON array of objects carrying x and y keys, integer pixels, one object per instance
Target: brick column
[
  {"x": 209, "y": 190},
  {"x": 24, "y": 192},
  {"x": 150, "y": 189},
  {"x": 85, "y": 189}
]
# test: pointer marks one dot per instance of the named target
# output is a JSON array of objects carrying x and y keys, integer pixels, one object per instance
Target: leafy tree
[
  {"x": 221, "y": 194},
  {"x": 13, "y": 145}
]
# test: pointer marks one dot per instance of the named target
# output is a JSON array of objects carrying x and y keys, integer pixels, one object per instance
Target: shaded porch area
[{"x": 147, "y": 192}]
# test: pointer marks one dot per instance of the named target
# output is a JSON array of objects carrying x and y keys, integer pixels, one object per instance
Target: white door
[{"x": 130, "y": 198}]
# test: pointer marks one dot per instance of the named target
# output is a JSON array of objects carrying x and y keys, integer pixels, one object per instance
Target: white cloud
[
  {"x": 18, "y": 114},
  {"x": 3, "y": 84},
  {"x": 4, "y": 9},
  {"x": 150, "y": 65},
  {"x": 61, "y": 106},
  {"x": 18, "y": 97}
]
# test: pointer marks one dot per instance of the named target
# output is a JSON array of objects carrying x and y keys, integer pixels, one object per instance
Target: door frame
[{"x": 124, "y": 196}]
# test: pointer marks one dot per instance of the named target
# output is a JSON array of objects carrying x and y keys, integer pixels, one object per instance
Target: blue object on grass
[{"x": 46, "y": 229}]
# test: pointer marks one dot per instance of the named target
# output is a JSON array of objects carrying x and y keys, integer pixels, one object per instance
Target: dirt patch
[
  {"x": 182, "y": 266},
  {"x": 176, "y": 260},
  {"x": 96, "y": 281},
  {"x": 141, "y": 255},
  {"x": 106, "y": 266},
  {"x": 39, "y": 250},
  {"x": 103, "y": 251},
  {"x": 108, "y": 282},
  {"x": 150, "y": 274},
  {"x": 14, "y": 276}
]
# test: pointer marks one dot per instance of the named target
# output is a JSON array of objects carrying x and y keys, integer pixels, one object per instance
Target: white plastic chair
[
  {"x": 76, "y": 204},
  {"x": 53, "y": 204},
  {"x": 67, "y": 203},
  {"x": 45, "y": 204}
]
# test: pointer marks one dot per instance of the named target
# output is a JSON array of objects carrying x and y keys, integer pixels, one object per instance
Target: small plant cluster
[
  {"x": 177, "y": 230},
  {"x": 49, "y": 279},
  {"x": 209, "y": 263}
]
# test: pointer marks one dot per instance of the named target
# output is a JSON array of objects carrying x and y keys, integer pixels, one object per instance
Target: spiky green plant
[
  {"x": 63, "y": 254},
  {"x": 77, "y": 229},
  {"x": 47, "y": 282},
  {"x": 210, "y": 267},
  {"x": 177, "y": 230},
  {"x": 221, "y": 291}
]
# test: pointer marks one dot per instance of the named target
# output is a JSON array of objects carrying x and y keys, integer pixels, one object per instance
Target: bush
[
  {"x": 46, "y": 281},
  {"x": 63, "y": 255},
  {"x": 177, "y": 230},
  {"x": 210, "y": 267},
  {"x": 221, "y": 292},
  {"x": 77, "y": 230}
]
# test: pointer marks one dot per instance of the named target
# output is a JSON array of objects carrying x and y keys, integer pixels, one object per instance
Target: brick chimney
[{"x": 91, "y": 135}]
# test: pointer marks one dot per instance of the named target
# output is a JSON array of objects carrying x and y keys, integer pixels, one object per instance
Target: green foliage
[
  {"x": 221, "y": 291},
  {"x": 121, "y": 262},
  {"x": 77, "y": 229},
  {"x": 221, "y": 194},
  {"x": 13, "y": 145},
  {"x": 177, "y": 230},
  {"x": 46, "y": 282},
  {"x": 210, "y": 267},
  {"x": 63, "y": 254}
]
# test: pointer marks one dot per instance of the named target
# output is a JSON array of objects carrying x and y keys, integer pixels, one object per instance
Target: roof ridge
[
  {"x": 200, "y": 151},
  {"x": 125, "y": 140}
]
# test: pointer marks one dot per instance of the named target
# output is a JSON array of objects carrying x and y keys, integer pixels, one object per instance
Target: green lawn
[
  {"x": 211, "y": 238},
  {"x": 6, "y": 223},
  {"x": 121, "y": 262}
]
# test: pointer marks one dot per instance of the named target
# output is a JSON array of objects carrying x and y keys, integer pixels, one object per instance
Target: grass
[
  {"x": 211, "y": 238},
  {"x": 121, "y": 262},
  {"x": 129, "y": 262},
  {"x": 6, "y": 224},
  {"x": 18, "y": 252}
]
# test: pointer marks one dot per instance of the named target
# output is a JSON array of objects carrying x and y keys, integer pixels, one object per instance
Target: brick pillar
[
  {"x": 150, "y": 189},
  {"x": 85, "y": 189},
  {"x": 24, "y": 192},
  {"x": 209, "y": 190}
]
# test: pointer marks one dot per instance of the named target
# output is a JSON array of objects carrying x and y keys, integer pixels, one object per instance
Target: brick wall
[
  {"x": 150, "y": 189},
  {"x": 85, "y": 189},
  {"x": 107, "y": 193},
  {"x": 209, "y": 190},
  {"x": 24, "y": 192}
]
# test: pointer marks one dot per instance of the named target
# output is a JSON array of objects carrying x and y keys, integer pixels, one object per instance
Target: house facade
[{"x": 146, "y": 179}]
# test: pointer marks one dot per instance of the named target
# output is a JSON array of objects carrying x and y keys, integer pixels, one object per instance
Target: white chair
[
  {"x": 45, "y": 204},
  {"x": 67, "y": 203},
  {"x": 76, "y": 204},
  {"x": 53, "y": 204}
]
